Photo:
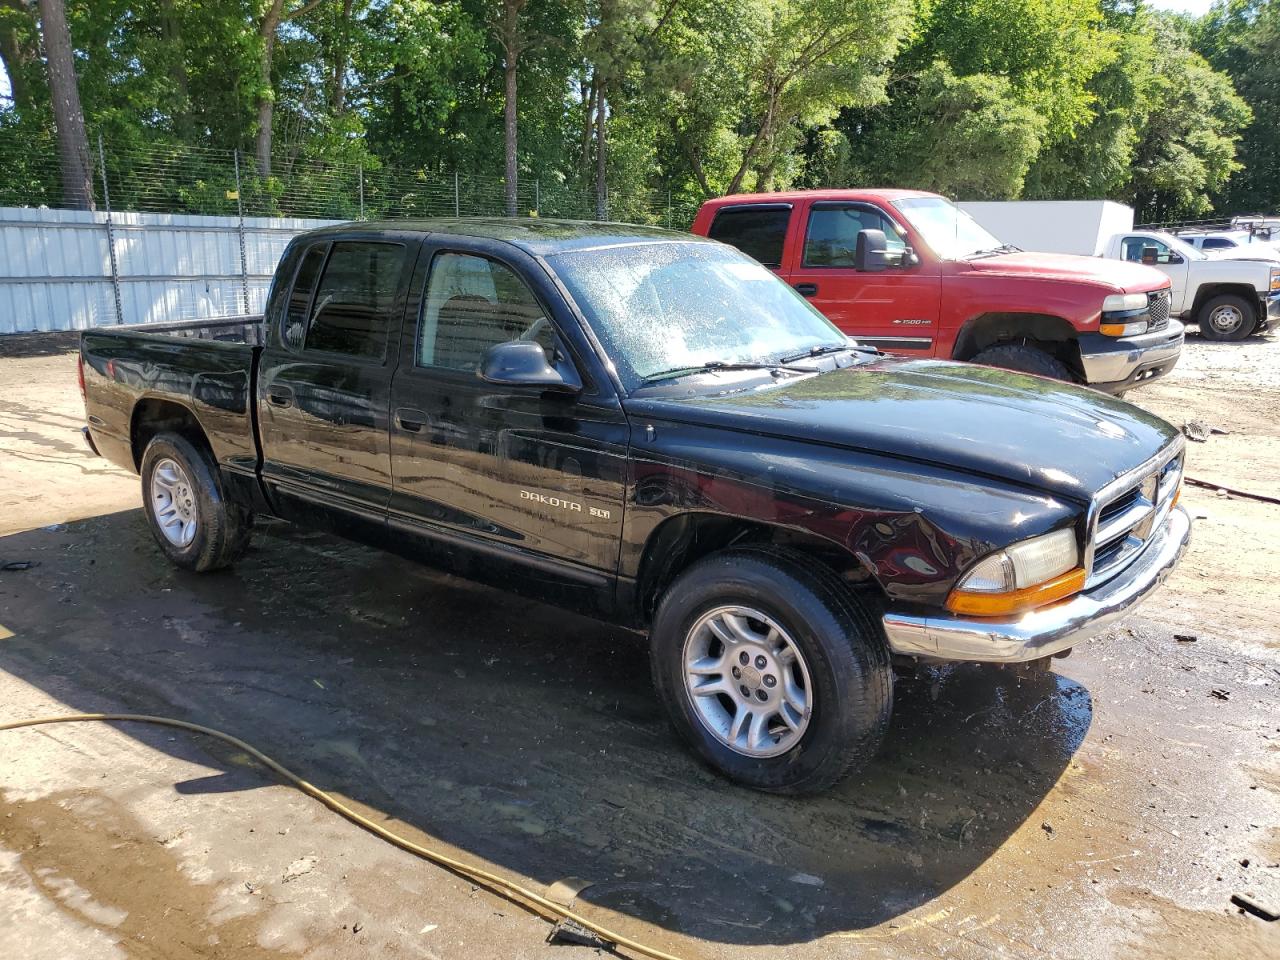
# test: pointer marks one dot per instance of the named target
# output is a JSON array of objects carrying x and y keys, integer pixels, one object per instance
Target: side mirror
[
  {"x": 523, "y": 363},
  {"x": 870, "y": 255},
  {"x": 1150, "y": 256}
]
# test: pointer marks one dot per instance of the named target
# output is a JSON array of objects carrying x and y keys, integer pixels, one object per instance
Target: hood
[
  {"x": 1118, "y": 275},
  {"x": 1252, "y": 252},
  {"x": 1055, "y": 437}
]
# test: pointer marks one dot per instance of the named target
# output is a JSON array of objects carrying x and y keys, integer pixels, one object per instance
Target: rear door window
[
  {"x": 355, "y": 300},
  {"x": 831, "y": 236},
  {"x": 757, "y": 230}
]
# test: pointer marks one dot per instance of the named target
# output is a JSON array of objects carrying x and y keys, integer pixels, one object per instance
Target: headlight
[
  {"x": 1121, "y": 302},
  {"x": 1124, "y": 315},
  {"x": 1131, "y": 329},
  {"x": 1275, "y": 279},
  {"x": 1026, "y": 575}
]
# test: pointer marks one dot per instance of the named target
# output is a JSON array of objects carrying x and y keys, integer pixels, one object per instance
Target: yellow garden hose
[{"x": 496, "y": 883}]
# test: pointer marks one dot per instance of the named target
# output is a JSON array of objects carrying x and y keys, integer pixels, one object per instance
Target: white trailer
[{"x": 1053, "y": 226}]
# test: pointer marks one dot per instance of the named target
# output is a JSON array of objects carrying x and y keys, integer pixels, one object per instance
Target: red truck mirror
[{"x": 871, "y": 253}]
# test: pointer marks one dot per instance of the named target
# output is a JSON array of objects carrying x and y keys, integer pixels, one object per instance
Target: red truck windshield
[{"x": 950, "y": 232}]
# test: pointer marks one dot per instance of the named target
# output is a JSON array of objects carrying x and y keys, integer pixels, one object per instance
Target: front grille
[
  {"x": 1158, "y": 310},
  {"x": 1126, "y": 516}
]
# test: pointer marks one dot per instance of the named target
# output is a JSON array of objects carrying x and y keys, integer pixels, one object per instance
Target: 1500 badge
[{"x": 562, "y": 504}]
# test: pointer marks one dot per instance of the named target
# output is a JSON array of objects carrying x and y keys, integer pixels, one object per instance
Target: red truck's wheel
[
  {"x": 189, "y": 516},
  {"x": 1024, "y": 359},
  {"x": 772, "y": 670}
]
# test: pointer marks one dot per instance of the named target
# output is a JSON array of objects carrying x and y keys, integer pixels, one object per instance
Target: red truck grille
[{"x": 1158, "y": 309}]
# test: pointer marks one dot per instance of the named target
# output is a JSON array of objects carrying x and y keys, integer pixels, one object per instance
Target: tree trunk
[
  {"x": 175, "y": 58},
  {"x": 338, "y": 78},
  {"x": 509, "y": 36},
  {"x": 602, "y": 192},
  {"x": 68, "y": 117},
  {"x": 266, "y": 95},
  {"x": 587, "y": 89}
]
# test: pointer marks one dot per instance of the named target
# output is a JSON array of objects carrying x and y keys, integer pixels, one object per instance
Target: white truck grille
[{"x": 1127, "y": 511}]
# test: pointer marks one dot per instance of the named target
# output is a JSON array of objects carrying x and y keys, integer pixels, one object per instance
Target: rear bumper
[
  {"x": 1114, "y": 364},
  {"x": 1042, "y": 633}
]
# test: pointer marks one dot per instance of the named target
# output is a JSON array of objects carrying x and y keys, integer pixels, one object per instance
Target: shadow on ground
[{"x": 527, "y": 736}]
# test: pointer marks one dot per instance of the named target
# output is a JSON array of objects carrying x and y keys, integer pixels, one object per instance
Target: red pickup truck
[{"x": 909, "y": 272}]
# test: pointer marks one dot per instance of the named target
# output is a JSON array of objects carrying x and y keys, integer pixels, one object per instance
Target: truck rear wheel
[
  {"x": 1226, "y": 317},
  {"x": 772, "y": 670},
  {"x": 1024, "y": 359},
  {"x": 187, "y": 510}
]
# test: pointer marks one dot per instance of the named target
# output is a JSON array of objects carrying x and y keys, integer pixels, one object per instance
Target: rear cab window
[{"x": 758, "y": 229}]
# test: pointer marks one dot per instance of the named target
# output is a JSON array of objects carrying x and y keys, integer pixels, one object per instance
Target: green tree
[
  {"x": 1242, "y": 39},
  {"x": 1187, "y": 148}
]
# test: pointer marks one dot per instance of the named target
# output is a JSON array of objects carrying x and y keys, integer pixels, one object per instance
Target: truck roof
[
  {"x": 791, "y": 196},
  {"x": 534, "y": 235}
]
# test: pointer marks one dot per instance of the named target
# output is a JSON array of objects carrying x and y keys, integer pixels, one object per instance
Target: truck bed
[{"x": 159, "y": 364}]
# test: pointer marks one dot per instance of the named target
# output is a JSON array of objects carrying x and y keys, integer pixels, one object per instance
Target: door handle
[
  {"x": 279, "y": 396},
  {"x": 410, "y": 420},
  {"x": 807, "y": 289}
]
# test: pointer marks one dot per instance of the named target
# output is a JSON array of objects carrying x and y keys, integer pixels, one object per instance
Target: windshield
[
  {"x": 1181, "y": 246},
  {"x": 949, "y": 232},
  {"x": 662, "y": 307}
]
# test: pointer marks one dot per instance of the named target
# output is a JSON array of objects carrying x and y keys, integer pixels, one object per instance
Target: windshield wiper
[
  {"x": 818, "y": 352},
  {"x": 709, "y": 367},
  {"x": 993, "y": 251}
]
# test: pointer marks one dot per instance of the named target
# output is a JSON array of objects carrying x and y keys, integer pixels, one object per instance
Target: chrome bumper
[
  {"x": 1042, "y": 633},
  {"x": 1118, "y": 363}
]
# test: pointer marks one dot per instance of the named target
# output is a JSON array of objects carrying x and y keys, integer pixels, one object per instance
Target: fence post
[
  {"x": 244, "y": 260},
  {"x": 668, "y": 208},
  {"x": 111, "y": 237},
  {"x": 537, "y": 197},
  {"x": 457, "y": 202},
  {"x": 362, "y": 191}
]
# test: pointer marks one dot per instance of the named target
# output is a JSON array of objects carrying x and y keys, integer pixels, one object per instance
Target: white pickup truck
[{"x": 1228, "y": 298}]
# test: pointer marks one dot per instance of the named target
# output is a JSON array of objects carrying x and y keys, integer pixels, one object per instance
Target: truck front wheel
[
  {"x": 189, "y": 515},
  {"x": 1024, "y": 359},
  {"x": 772, "y": 670},
  {"x": 1226, "y": 317}
]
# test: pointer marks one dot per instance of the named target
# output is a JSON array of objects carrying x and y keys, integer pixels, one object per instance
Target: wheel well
[
  {"x": 1242, "y": 290},
  {"x": 682, "y": 541},
  {"x": 152, "y": 416},
  {"x": 1054, "y": 335}
]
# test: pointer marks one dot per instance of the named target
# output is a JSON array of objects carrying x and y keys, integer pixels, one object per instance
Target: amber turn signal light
[{"x": 976, "y": 604}]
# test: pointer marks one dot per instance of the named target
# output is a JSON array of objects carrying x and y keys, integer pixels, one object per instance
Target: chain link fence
[
  {"x": 187, "y": 232},
  {"x": 202, "y": 181}
]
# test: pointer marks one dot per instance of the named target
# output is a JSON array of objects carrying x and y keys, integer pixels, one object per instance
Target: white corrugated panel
[{"x": 55, "y": 266}]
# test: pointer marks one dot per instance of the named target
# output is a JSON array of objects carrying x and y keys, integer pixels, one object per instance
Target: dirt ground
[{"x": 1109, "y": 810}]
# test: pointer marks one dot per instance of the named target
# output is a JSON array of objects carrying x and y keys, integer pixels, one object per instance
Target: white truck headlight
[{"x": 1026, "y": 575}]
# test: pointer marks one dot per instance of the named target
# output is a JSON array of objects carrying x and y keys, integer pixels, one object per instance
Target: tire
[
  {"x": 187, "y": 510},
  {"x": 1024, "y": 359},
  {"x": 1226, "y": 317},
  {"x": 840, "y": 671}
]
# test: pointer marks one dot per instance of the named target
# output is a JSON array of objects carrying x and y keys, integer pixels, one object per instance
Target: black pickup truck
[{"x": 653, "y": 429}]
